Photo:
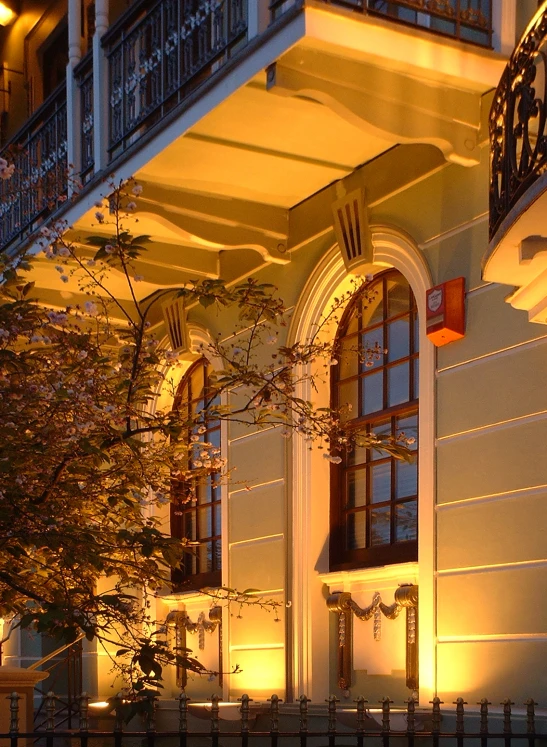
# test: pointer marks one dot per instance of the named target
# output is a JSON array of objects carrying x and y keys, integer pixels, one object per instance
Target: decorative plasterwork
[
  {"x": 310, "y": 497},
  {"x": 413, "y": 115}
]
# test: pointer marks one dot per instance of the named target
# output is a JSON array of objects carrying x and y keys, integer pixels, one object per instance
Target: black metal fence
[
  {"x": 468, "y": 20},
  {"x": 40, "y": 180},
  {"x": 157, "y": 55},
  {"x": 295, "y": 724}
]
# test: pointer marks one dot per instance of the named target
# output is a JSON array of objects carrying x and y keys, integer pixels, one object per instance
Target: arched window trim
[
  {"x": 340, "y": 556},
  {"x": 309, "y": 618},
  {"x": 190, "y": 581}
]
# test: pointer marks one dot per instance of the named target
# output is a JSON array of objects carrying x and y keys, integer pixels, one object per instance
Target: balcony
[
  {"x": 182, "y": 101},
  {"x": 517, "y": 253}
]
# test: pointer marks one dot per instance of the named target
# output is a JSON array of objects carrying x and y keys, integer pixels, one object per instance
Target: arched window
[
  {"x": 374, "y": 496},
  {"x": 196, "y": 510}
]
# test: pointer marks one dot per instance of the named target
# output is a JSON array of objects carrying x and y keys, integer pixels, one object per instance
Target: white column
[
  {"x": 72, "y": 89},
  {"x": 504, "y": 21},
  {"x": 100, "y": 88}
]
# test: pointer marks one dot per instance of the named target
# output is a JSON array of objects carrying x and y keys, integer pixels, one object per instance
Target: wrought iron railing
[
  {"x": 40, "y": 180},
  {"x": 156, "y": 58},
  {"x": 84, "y": 79},
  {"x": 518, "y": 136},
  {"x": 468, "y": 20},
  {"x": 271, "y": 723}
]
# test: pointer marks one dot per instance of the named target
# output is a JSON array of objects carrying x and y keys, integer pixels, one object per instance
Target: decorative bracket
[
  {"x": 406, "y": 597},
  {"x": 182, "y": 624}
]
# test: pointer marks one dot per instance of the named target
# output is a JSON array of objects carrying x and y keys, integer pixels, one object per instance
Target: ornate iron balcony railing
[
  {"x": 40, "y": 180},
  {"x": 157, "y": 57},
  {"x": 518, "y": 137},
  {"x": 83, "y": 74},
  {"x": 467, "y": 20}
]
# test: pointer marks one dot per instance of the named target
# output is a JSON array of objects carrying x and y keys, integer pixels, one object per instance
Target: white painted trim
[
  {"x": 434, "y": 240},
  {"x": 519, "y": 493},
  {"x": 494, "y": 638},
  {"x": 471, "y": 570},
  {"x": 490, "y": 356},
  {"x": 493, "y": 427},
  {"x": 309, "y": 509}
]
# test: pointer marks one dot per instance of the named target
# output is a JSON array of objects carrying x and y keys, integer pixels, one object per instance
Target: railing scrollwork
[
  {"x": 518, "y": 138},
  {"x": 405, "y": 598},
  {"x": 181, "y": 624}
]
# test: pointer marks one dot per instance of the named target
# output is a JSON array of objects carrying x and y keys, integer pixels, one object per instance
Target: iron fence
[
  {"x": 157, "y": 55},
  {"x": 294, "y": 725},
  {"x": 518, "y": 124},
  {"x": 84, "y": 79},
  {"x": 467, "y": 20},
  {"x": 40, "y": 180}
]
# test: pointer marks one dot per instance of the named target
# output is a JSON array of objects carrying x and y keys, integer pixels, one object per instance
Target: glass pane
[
  {"x": 409, "y": 426},
  {"x": 358, "y": 455},
  {"x": 356, "y": 530},
  {"x": 397, "y": 296},
  {"x": 348, "y": 360},
  {"x": 373, "y": 348},
  {"x": 348, "y": 400},
  {"x": 416, "y": 364},
  {"x": 397, "y": 383},
  {"x": 380, "y": 482},
  {"x": 218, "y": 521},
  {"x": 373, "y": 393},
  {"x": 353, "y": 324},
  {"x": 398, "y": 340},
  {"x": 406, "y": 478},
  {"x": 380, "y": 529},
  {"x": 217, "y": 555},
  {"x": 416, "y": 335},
  {"x": 373, "y": 307},
  {"x": 189, "y": 525},
  {"x": 205, "y": 557},
  {"x": 197, "y": 382},
  {"x": 406, "y": 522},
  {"x": 356, "y": 488},
  {"x": 214, "y": 437}
]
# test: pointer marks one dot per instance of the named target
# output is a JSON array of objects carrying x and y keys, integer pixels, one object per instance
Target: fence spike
[
  {"x": 360, "y": 712},
  {"x": 83, "y": 700},
  {"x": 411, "y": 714},
  {"x": 14, "y": 712},
  {"x": 274, "y": 712},
  {"x": 245, "y": 711},
  {"x": 460, "y": 712},
  {"x": 304, "y": 700},
  {"x": 183, "y": 712},
  {"x": 530, "y": 716},
  {"x": 118, "y": 720},
  {"x": 484, "y": 703},
  {"x": 385, "y": 712},
  {"x": 50, "y": 711},
  {"x": 151, "y": 713},
  {"x": 436, "y": 714},
  {"x": 214, "y": 713},
  {"x": 507, "y": 703},
  {"x": 332, "y": 700}
]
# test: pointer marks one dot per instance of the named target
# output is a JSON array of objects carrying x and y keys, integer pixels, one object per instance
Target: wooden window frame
[
  {"x": 340, "y": 557},
  {"x": 183, "y": 580}
]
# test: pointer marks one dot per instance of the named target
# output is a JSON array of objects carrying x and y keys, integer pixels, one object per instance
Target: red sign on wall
[{"x": 445, "y": 312}]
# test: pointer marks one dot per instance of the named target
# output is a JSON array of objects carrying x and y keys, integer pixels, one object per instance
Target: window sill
[{"x": 368, "y": 579}]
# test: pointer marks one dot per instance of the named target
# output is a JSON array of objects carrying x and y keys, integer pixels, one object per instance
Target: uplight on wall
[{"x": 7, "y": 14}]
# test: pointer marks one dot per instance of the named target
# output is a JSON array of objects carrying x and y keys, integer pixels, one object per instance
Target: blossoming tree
[{"x": 87, "y": 457}]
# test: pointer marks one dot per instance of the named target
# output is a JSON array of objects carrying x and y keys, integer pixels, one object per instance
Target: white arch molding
[{"x": 309, "y": 513}]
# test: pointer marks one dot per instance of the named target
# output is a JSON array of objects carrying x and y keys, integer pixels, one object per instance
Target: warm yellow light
[
  {"x": 7, "y": 15},
  {"x": 99, "y": 704}
]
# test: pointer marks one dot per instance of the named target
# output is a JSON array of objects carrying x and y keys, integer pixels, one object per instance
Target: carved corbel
[
  {"x": 405, "y": 597},
  {"x": 181, "y": 624}
]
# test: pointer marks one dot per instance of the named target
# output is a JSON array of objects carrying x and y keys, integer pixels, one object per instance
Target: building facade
[{"x": 305, "y": 144}]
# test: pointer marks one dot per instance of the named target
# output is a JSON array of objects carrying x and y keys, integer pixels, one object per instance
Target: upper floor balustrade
[{"x": 147, "y": 67}]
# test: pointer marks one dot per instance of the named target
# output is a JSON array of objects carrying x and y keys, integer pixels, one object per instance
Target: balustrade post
[
  {"x": 101, "y": 87},
  {"x": 258, "y": 17},
  {"x": 73, "y": 108}
]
